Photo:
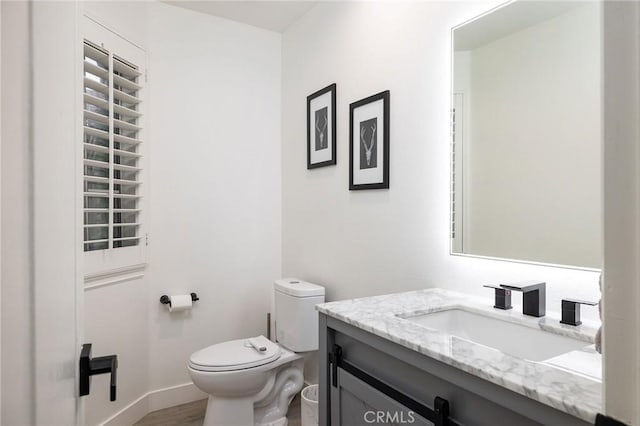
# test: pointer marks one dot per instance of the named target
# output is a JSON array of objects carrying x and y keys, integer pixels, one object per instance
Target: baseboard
[
  {"x": 129, "y": 414},
  {"x": 174, "y": 395},
  {"x": 155, "y": 400}
]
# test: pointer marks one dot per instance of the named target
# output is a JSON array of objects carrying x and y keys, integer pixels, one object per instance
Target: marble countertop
[{"x": 567, "y": 391}]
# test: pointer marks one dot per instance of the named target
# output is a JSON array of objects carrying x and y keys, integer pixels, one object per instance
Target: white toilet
[{"x": 252, "y": 381}]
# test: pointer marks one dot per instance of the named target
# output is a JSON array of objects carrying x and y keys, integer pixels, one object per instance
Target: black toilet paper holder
[{"x": 166, "y": 300}]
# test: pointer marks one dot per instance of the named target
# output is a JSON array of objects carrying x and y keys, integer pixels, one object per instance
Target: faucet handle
[
  {"x": 502, "y": 297},
  {"x": 571, "y": 310}
]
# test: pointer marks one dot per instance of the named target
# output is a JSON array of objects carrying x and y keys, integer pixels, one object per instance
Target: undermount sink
[{"x": 514, "y": 339}]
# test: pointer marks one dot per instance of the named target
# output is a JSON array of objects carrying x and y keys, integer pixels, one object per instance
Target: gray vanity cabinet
[{"x": 365, "y": 379}]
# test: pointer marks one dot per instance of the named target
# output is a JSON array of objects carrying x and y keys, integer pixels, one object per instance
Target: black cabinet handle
[
  {"x": 334, "y": 358},
  {"x": 98, "y": 365}
]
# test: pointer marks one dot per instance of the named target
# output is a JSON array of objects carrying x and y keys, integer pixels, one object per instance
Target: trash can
[{"x": 309, "y": 406}]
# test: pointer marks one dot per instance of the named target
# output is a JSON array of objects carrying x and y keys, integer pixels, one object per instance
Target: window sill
[{"x": 114, "y": 276}]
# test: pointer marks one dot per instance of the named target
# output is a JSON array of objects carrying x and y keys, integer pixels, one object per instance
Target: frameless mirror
[{"x": 526, "y": 134}]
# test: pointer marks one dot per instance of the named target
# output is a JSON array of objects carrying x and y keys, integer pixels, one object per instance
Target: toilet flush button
[{"x": 294, "y": 282}]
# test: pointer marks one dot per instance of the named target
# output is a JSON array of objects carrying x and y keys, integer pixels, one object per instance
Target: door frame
[{"x": 56, "y": 206}]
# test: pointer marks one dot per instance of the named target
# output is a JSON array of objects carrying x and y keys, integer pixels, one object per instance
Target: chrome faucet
[{"x": 533, "y": 296}]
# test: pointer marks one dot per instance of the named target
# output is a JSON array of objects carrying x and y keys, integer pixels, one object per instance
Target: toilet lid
[{"x": 234, "y": 355}]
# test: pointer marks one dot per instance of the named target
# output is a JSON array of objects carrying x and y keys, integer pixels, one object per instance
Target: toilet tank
[{"x": 296, "y": 317}]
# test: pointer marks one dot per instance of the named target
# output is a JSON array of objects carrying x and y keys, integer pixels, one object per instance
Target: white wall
[
  {"x": 215, "y": 182},
  {"x": 17, "y": 296},
  {"x": 535, "y": 185},
  {"x": 373, "y": 242}
]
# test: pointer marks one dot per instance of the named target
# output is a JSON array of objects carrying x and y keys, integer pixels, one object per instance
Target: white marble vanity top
[{"x": 550, "y": 383}]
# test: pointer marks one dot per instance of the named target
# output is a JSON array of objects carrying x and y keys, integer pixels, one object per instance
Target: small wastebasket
[{"x": 309, "y": 406}]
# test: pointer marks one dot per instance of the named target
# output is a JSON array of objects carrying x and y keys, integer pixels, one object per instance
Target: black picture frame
[
  {"x": 370, "y": 172},
  {"x": 321, "y": 111}
]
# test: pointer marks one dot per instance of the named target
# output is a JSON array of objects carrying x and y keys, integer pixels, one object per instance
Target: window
[{"x": 113, "y": 162}]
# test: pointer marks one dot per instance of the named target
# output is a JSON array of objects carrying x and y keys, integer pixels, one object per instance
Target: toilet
[{"x": 251, "y": 381}]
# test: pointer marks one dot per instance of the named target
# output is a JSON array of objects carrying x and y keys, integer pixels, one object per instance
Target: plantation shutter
[{"x": 112, "y": 159}]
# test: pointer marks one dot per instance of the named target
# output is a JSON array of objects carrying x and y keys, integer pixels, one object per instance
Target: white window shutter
[{"x": 112, "y": 155}]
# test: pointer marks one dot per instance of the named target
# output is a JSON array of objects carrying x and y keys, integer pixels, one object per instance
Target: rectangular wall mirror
[{"x": 526, "y": 134}]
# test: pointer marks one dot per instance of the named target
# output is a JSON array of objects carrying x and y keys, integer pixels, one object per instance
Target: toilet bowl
[
  {"x": 246, "y": 386},
  {"x": 252, "y": 381}
]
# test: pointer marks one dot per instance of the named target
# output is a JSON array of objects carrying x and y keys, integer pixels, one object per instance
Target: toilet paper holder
[{"x": 166, "y": 300}]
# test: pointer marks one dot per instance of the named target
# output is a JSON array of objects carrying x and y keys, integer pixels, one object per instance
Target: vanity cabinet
[{"x": 366, "y": 379}]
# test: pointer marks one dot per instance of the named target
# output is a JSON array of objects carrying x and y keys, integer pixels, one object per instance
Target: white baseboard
[
  {"x": 155, "y": 400},
  {"x": 174, "y": 395},
  {"x": 129, "y": 414}
]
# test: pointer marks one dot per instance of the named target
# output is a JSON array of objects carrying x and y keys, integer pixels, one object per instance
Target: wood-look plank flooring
[{"x": 192, "y": 414}]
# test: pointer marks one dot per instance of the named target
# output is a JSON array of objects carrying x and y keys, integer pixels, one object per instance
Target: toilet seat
[{"x": 234, "y": 355}]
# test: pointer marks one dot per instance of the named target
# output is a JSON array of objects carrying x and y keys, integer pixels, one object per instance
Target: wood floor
[{"x": 192, "y": 414}]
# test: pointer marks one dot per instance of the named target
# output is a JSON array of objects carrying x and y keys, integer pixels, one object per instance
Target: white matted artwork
[
  {"x": 321, "y": 129},
  {"x": 369, "y": 142}
]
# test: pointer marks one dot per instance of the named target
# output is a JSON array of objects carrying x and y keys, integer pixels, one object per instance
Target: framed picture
[
  {"x": 369, "y": 142},
  {"x": 321, "y": 128}
]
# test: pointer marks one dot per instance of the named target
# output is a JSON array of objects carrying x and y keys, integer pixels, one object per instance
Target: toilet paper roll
[{"x": 180, "y": 302}]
